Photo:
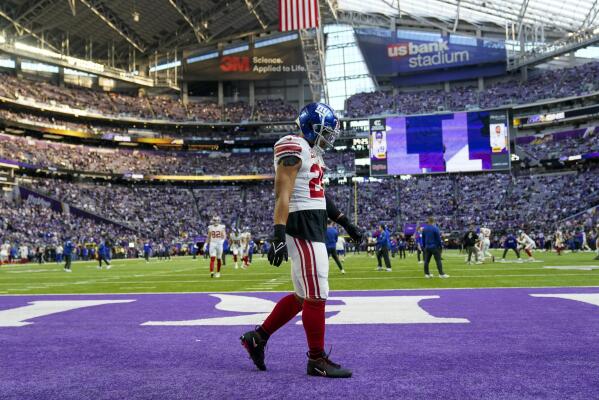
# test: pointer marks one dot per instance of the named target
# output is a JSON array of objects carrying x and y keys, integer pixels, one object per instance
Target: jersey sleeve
[{"x": 288, "y": 146}]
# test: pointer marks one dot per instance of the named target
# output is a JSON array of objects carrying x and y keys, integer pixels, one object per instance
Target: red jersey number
[
  {"x": 216, "y": 234},
  {"x": 316, "y": 189}
]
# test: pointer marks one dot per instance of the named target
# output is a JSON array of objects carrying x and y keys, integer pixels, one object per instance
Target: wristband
[{"x": 280, "y": 232}]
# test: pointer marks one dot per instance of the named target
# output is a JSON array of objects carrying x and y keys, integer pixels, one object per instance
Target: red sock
[
  {"x": 528, "y": 252},
  {"x": 286, "y": 308},
  {"x": 313, "y": 319},
  {"x": 218, "y": 265},
  {"x": 212, "y": 264},
  {"x": 234, "y": 258}
]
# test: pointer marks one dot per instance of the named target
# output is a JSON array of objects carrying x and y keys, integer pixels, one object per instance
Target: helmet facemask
[{"x": 325, "y": 136}]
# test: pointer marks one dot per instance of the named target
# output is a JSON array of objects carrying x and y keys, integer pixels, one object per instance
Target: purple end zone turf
[{"x": 514, "y": 346}]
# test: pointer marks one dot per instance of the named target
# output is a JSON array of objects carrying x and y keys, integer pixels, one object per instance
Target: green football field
[{"x": 186, "y": 275}]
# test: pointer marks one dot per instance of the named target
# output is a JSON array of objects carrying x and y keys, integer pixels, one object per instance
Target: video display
[{"x": 459, "y": 142}]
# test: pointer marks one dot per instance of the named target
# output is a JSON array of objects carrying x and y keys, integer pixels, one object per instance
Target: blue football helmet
[{"x": 319, "y": 124}]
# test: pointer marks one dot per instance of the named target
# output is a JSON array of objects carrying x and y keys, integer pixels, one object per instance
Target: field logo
[{"x": 342, "y": 310}]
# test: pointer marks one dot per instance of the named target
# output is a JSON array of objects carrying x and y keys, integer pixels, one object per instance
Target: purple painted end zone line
[{"x": 514, "y": 346}]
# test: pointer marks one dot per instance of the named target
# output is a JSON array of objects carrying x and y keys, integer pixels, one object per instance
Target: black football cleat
[
  {"x": 324, "y": 367},
  {"x": 254, "y": 345}
]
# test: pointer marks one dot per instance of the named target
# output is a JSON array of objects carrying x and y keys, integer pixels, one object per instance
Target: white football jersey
[
  {"x": 526, "y": 240},
  {"x": 308, "y": 192},
  {"x": 235, "y": 239},
  {"x": 217, "y": 233},
  {"x": 245, "y": 238}
]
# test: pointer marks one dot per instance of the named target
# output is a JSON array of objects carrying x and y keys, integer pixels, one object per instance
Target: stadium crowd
[
  {"x": 547, "y": 84},
  {"x": 49, "y": 154},
  {"x": 172, "y": 214},
  {"x": 560, "y": 144},
  {"x": 113, "y": 104}
]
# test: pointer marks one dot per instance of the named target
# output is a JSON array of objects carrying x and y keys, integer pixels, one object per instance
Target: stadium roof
[
  {"x": 160, "y": 25},
  {"x": 92, "y": 27},
  {"x": 566, "y": 15}
]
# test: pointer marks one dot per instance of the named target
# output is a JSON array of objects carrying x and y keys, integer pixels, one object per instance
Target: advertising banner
[
  {"x": 401, "y": 53},
  {"x": 277, "y": 61},
  {"x": 38, "y": 199}
]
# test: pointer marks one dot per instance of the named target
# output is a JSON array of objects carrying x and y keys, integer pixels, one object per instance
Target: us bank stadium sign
[
  {"x": 427, "y": 54},
  {"x": 420, "y": 57}
]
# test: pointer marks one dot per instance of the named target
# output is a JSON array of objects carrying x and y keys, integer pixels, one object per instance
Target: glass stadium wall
[{"x": 346, "y": 71}]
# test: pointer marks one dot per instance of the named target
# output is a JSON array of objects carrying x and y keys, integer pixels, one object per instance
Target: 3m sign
[{"x": 235, "y": 64}]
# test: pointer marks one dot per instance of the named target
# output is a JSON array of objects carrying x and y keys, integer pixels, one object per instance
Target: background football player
[
  {"x": 235, "y": 241},
  {"x": 215, "y": 240},
  {"x": 300, "y": 218},
  {"x": 485, "y": 244},
  {"x": 244, "y": 252},
  {"x": 526, "y": 244},
  {"x": 558, "y": 241}
]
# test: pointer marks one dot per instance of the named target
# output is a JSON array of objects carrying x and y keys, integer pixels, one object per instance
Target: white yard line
[{"x": 287, "y": 291}]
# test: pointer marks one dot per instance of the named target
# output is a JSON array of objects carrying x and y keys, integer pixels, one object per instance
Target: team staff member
[
  {"x": 103, "y": 255},
  {"x": 68, "y": 254},
  {"x": 401, "y": 246},
  {"x": 419, "y": 248},
  {"x": 469, "y": 242},
  {"x": 432, "y": 245},
  {"x": 331, "y": 242},
  {"x": 383, "y": 244},
  {"x": 147, "y": 251},
  {"x": 300, "y": 218}
]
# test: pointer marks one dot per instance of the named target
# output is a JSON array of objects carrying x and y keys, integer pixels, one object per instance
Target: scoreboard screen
[{"x": 458, "y": 142}]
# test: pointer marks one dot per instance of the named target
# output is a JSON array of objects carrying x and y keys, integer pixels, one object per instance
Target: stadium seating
[
  {"x": 560, "y": 144},
  {"x": 172, "y": 214},
  {"x": 49, "y": 154},
  {"x": 113, "y": 104}
]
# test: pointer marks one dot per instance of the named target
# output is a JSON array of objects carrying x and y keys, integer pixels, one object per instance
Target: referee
[{"x": 431, "y": 243}]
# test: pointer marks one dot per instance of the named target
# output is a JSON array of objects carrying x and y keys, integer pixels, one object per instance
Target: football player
[
  {"x": 526, "y": 244},
  {"x": 559, "y": 242},
  {"x": 510, "y": 242},
  {"x": 235, "y": 245},
  {"x": 215, "y": 240},
  {"x": 485, "y": 244},
  {"x": 244, "y": 252},
  {"x": 300, "y": 218}
]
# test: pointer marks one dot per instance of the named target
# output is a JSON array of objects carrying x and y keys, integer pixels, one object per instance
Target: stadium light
[
  {"x": 37, "y": 50},
  {"x": 165, "y": 66}
]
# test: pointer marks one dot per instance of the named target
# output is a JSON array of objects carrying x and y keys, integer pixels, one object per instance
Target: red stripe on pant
[
  {"x": 310, "y": 269},
  {"x": 299, "y": 250},
  {"x": 314, "y": 267}
]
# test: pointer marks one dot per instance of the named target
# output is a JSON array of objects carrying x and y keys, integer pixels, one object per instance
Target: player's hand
[
  {"x": 356, "y": 234},
  {"x": 278, "y": 247}
]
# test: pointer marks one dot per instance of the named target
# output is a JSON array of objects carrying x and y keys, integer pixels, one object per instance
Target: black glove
[
  {"x": 356, "y": 234},
  {"x": 278, "y": 247}
]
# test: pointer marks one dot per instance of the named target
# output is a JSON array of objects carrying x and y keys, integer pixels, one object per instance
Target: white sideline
[{"x": 287, "y": 291}]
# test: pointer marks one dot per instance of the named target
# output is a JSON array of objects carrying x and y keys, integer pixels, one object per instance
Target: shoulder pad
[{"x": 289, "y": 145}]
